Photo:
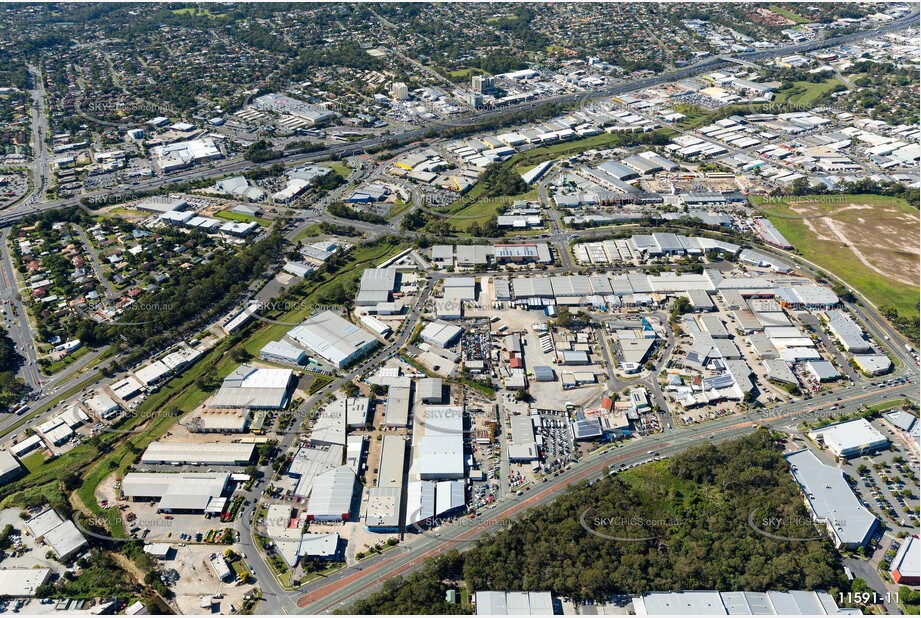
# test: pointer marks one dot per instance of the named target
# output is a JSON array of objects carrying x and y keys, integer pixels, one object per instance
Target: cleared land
[
  {"x": 340, "y": 168},
  {"x": 869, "y": 241},
  {"x": 804, "y": 94},
  {"x": 799, "y": 19},
  {"x": 237, "y": 216}
]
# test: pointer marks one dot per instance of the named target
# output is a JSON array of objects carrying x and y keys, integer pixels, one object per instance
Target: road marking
[{"x": 605, "y": 462}]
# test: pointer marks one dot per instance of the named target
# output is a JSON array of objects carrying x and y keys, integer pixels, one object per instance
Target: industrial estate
[{"x": 460, "y": 308}]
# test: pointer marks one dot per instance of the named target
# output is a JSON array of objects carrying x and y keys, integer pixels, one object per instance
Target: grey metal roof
[
  {"x": 493, "y": 603},
  {"x": 8, "y": 463},
  {"x": 332, "y": 493},
  {"x": 831, "y": 499},
  {"x": 309, "y": 462},
  {"x": 846, "y": 330},
  {"x": 642, "y": 165},
  {"x": 618, "y": 170},
  {"x": 332, "y": 337},
  {"x": 822, "y": 369},
  {"x": 906, "y": 560},
  {"x": 182, "y": 453},
  {"x": 179, "y": 490},
  {"x": 450, "y": 495},
  {"x": 779, "y": 370},
  {"x": 850, "y": 436},
  {"x": 392, "y": 462},
  {"x": 571, "y": 285},
  {"x": 430, "y": 388},
  {"x": 710, "y": 602},
  {"x": 397, "y": 406},
  {"x": 420, "y": 501},
  {"x": 668, "y": 242}
]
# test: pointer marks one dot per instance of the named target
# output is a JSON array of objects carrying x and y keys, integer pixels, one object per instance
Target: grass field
[
  {"x": 466, "y": 73},
  {"x": 480, "y": 210},
  {"x": 804, "y": 94},
  {"x": 525, "y": 160},
  {"x": 126, "y": 212},
  {"x": 197, "y": 11},
  {"x": 337, "y": 166},
  {"x": 33, "y": 461},
  {"x": 236, "y": 216},
  {"x": 311, "y": 231},
  {"x": 399, "y": 207},
  {"x": 67, "y": 361},
  {"x": 789, "y": 14},
  {"x": 889, "y": 405},
  {"x": 869, "y": 241}
]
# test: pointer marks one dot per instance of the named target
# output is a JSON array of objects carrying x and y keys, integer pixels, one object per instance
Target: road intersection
[{"x": 346, "y": 585}]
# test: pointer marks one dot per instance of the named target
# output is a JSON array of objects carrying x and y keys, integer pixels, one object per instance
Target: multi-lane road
[
  {"x": 480, "y": 118},
  {"x": 346, "y": 586}
]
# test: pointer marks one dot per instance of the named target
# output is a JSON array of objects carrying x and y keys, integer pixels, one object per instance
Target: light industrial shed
[
  {"x": 197, "y": 453},
  {"x": 331, "y": 497},
  {"x": 333, "y": 338},
  {"x": 181, "y": 491}
]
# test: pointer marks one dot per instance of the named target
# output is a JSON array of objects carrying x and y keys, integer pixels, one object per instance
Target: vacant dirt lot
[{"x": 883, "y": 238}]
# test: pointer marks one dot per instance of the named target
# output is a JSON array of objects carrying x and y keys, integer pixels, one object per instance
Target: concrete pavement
[{"x": 337, "y": 591}]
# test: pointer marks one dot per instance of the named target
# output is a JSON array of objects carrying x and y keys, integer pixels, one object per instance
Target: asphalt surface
[
  {"x": 216, "y": 170},
  {"x": 348, "y": 585}
]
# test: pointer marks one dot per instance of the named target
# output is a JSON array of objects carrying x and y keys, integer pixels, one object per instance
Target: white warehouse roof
[
  {"x": 22, "y": 582},
  {"x": 193, "y": 491},
  {"x": 333, "y": 338},
  {"x": 331, "y": 497},
  {"x": 190, "y": 453},
  {"x": 831, "y": 499},
  {"x": 851, "y": 437}
]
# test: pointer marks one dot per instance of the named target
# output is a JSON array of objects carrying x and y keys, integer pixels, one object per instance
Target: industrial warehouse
[
  {"x": 831, "y": 501},
  {"x": 199, "y": 454},
  {"x": 410, "y": 280},
  {"x": 179, "y": 492},
  {"x": 333, "y": 338}
]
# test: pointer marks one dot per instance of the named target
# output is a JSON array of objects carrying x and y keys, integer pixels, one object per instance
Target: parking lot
[
  {"x": 12, "y": 187},
  {"x": 884, "y": 484},
  {"x": 141, "y": 519},
  {"x": 559, "y": 448}
]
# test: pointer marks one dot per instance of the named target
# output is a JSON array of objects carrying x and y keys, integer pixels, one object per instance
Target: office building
[
  {"x": 483, "y": 84},
  {"x": 399, "y": 91}
]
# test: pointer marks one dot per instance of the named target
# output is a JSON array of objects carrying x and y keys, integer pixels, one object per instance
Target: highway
[
  {"x": 41, "y": 162},
  {"x": 347, "y": 585},
  {"x": 15, "y": 317},
  {"x": 216, "y": 170}
]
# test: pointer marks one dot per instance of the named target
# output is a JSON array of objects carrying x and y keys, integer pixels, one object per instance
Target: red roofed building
[{"x": 905, "y": 566}]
